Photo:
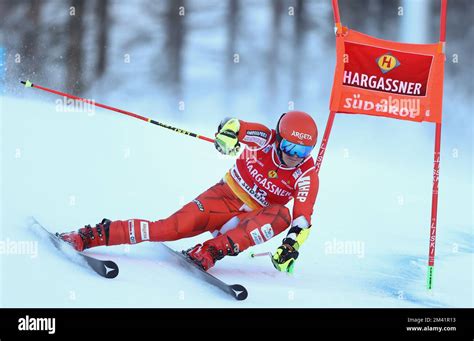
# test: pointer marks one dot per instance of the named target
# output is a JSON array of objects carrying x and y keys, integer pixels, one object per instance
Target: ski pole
[
  {"x": 263, "y": 254},
  {"x": 291, "y": 267},
  {"x": 28, "y": 84}
]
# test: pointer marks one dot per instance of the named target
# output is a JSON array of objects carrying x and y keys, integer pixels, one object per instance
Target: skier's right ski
[
  {"x": 105, "y": 268},
  {"x": 237, "y": 291}
]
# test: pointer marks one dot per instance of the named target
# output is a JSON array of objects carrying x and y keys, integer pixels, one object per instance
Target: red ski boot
[
  {"x": 211, "y": 251},
  {"x": 88, "y": 236}
]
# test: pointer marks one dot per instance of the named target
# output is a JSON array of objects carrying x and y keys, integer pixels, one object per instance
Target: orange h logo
[{"x": 387, "y": 62}]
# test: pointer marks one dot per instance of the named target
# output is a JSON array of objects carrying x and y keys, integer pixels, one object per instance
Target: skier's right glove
[{"x": 227, "y": 140}]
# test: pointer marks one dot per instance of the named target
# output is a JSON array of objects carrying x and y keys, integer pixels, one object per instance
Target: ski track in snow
[{"x": 71, "y": 169}]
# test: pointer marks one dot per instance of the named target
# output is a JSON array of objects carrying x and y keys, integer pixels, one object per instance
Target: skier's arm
[
  {"x": 305, "y": 196},
  {"x": 254, "y": 135},
  {"x": 232, "y": 131}
]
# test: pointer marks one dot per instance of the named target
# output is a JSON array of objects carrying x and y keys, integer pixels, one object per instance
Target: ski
[
  {"x": 237, "y": 291},
  {"x": 104, "y": 268}
]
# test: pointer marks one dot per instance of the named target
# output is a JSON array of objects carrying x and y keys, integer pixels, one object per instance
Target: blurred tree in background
[
  {"x": 75, "y": 49},
  {"x": 273, "y": 51},
  {"x": 175, "y": 32},
  {"x": 103, "y": 23}
]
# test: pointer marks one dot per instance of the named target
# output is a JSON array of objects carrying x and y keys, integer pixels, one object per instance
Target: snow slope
[{"x": 368, "y": 248}]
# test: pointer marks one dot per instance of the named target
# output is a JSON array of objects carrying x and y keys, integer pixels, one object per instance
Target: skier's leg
[
  {"x": 208, "y": 211},
  {"x": 255, "y": 228}
]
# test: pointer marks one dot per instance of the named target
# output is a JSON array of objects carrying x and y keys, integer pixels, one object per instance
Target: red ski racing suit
[{"x": 247, "y": 207}]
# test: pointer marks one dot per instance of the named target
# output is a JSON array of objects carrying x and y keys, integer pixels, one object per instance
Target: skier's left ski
[
  {"x": 105, "y": 268},
  {"x": 237, "y": 291}
]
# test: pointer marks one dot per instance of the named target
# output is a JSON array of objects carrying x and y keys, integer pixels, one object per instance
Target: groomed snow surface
[{"x": 368, "y": 247}]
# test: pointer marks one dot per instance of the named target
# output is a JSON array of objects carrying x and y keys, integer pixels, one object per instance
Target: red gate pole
[
  {"x": 434, "y": 197},
  {"x": 335, "y": 9},
  {"x": 324, "y": 142},
  {"x": 332, "y": 114},
  {"x": 337, "y": 17}
]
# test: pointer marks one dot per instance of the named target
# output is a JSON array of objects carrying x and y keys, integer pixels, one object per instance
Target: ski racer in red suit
[{"x": 247, "y": 207}]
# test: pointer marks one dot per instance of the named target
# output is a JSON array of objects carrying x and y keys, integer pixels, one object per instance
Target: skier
[{"x": 247, "y": 207}]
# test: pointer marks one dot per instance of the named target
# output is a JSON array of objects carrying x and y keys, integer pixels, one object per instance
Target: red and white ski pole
[{"x": 28, "y": 84}]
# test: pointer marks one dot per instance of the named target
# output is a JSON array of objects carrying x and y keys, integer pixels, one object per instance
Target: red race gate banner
[
  {"x": 385, "y": 78},
  {"x": 390, "y": 79}
]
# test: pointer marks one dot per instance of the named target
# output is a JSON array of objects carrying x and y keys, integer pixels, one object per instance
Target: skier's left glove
[
  {"x": 284, "y": 258},
  {"x": 286, "y": 255}
]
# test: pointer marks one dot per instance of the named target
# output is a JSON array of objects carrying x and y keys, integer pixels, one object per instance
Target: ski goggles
[{"x": 294, "y": 149}]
